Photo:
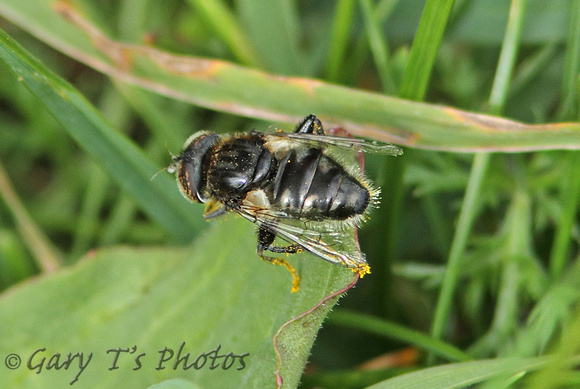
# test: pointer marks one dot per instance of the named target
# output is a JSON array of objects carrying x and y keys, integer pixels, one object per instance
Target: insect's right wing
[
  {"x": 354, "y": 144},
  {"x": 319, "y": 243}
]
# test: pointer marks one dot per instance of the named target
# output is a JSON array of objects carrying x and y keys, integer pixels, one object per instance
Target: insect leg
[
  {"x": 310, "y": 125},
  {"x": 265, "y": 240},
  {"x": 213, "y": 209}
]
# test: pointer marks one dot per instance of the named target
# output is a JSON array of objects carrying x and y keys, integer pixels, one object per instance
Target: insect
[{"x": 295, "y": 186}]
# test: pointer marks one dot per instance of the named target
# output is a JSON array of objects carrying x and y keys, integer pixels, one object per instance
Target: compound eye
[
  {"x": 191, "y": 172},
  {"x": 189, "y": 179}
]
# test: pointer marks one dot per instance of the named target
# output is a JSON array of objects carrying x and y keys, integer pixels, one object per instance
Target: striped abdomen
[{"x": 313, "y": 186}]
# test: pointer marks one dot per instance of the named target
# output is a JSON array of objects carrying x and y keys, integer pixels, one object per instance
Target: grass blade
[
  {"x": 424, "y": 50},
  {"x": 461, "y": 375},
  {"x": 226, "y": 87},
  {"x": 385, "y": 328}
]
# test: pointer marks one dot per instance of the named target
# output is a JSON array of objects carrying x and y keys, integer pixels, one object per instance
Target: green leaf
[
  {"x": 215, "y": 294},
  {"x": 226, "y": 87}
]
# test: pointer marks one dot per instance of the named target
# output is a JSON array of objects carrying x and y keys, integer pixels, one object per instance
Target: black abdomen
[{"x": 313, "y": 186}]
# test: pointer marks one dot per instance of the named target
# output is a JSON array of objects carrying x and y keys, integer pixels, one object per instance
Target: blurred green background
[{"x": 477, "y": 250}]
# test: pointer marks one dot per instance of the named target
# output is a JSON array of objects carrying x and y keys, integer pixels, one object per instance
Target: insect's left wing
[
  {"x": 320, "y": 243},
  {"x": 354, "y": 144}
]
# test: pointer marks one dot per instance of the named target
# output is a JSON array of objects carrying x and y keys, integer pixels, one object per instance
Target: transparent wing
[
  {"x": 354, "y": 144},
  {"x": 320, "y": 243}
]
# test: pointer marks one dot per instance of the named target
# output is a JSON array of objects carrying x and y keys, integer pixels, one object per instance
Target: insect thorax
[{"x": 239, "y": 165}]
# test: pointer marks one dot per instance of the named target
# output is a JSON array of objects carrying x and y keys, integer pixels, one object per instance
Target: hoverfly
[{"x": 295, "y": 186}]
